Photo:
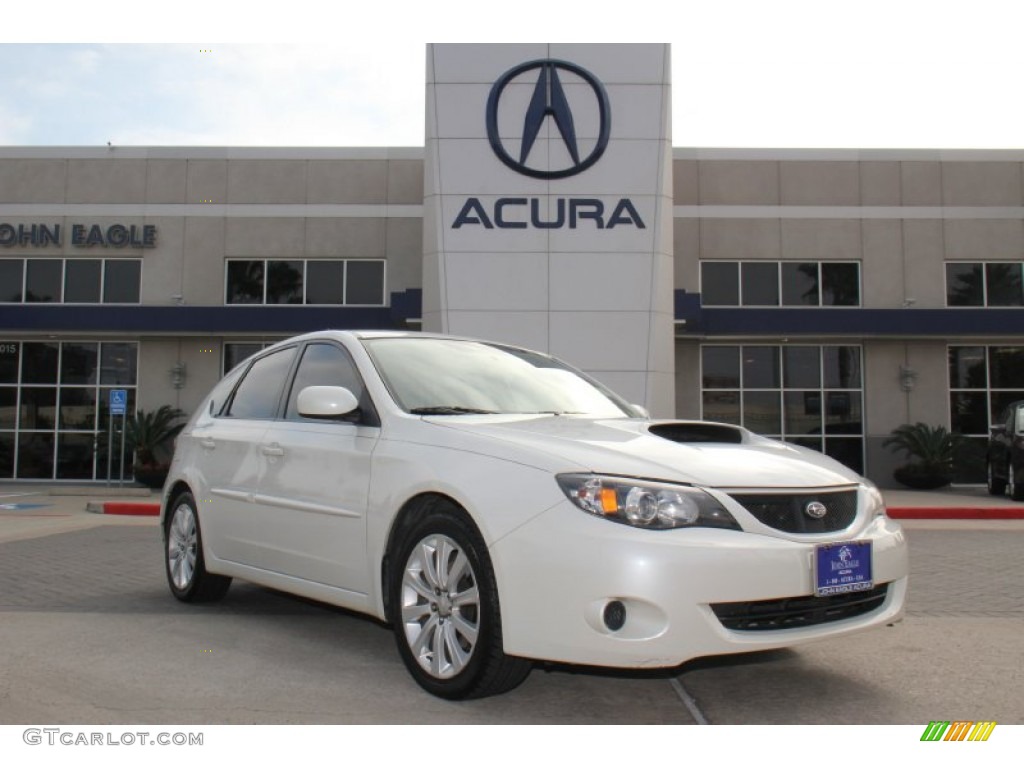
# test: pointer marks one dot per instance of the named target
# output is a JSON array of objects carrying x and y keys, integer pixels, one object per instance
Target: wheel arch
[
  {"x": 416, "y": 506},
  {"x": 179, "y": 487}
]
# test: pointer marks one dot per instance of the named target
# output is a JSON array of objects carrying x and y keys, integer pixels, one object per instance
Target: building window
[
  {"x": 325, "y": 282},
  {"x": 982, "y": 382},
  {"x": 803, "y": 394},
  {"x": 353, "y": 282},
  {"x": 83, "y": 281},
  {"x": 43, "y": 280},
  {"x": 984, "y": 284},
  {"x": 780, "y": 283},
  {"x": 70, "y": 281},
  {"x": 121, "y": 280},
  {"x": 12, "y": 280},
  {"x": 54, "y": 414},
  {"x": 284, "y": 282}
]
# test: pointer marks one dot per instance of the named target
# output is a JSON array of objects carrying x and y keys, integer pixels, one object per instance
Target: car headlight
[
  {"x": 645, "y": 504},
  {"x": 873, "y": 499}
]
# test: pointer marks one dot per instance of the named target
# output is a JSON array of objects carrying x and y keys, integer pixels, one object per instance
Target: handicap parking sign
[{"x": 118, "y": 402}]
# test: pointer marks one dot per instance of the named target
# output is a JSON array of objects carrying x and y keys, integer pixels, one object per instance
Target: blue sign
[{"x": 118, "y": 402}]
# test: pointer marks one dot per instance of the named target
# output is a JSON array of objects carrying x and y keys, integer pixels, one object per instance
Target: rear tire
[
  {"x": 185, "y": 566},
  {"x": 445, "y": 611},
  {"x": 996, "y": 486}
]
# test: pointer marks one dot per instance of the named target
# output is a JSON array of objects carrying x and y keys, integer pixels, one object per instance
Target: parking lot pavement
[
  {"x": 27, "y": 512},
  {"x": 90, "y": 634},
  {"x": 955, "y": 656}
]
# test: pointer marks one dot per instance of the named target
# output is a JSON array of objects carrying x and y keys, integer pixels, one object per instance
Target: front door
[{"x": 315, "y": 482}]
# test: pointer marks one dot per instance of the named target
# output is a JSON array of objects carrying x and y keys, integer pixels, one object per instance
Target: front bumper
[{"x": 557, "y": 574}]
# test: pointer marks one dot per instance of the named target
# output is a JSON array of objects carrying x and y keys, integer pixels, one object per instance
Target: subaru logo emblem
[
  {"x": 816, "y": 509},
  {"x": 549, "y": 100}
]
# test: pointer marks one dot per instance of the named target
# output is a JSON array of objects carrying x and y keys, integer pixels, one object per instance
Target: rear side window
[
  {"x": 324, "y": 365},
  {"x": 259, "y": 393}
]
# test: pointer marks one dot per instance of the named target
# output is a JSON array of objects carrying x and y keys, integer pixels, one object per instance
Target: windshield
[{"x": 448, "y": 377}]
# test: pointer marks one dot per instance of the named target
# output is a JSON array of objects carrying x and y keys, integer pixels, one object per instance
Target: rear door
[
  {"x": 316, "y": 478},
  {"x": 230, "y": 460}
]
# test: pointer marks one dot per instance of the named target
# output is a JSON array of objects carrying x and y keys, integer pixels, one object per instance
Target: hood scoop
[{"x": 697, "y": 432}]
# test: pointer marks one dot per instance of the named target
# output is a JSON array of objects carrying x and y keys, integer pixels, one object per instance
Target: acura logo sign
[
  {"x": 549, "y": 108},
  {"x": 548, "y": 102}
]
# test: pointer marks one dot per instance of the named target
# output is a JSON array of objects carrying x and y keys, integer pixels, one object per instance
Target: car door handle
[
  {"x": 207, "y": 443},
  {"x": 272, "y": 450}
]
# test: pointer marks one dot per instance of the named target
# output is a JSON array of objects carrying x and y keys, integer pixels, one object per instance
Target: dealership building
[{"x": 822, "y": 297}]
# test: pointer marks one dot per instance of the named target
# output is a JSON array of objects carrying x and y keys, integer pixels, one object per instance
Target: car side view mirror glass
[{"x": 326, "y": 402}]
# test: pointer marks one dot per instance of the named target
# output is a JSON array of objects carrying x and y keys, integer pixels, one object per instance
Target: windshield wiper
[{"x": 445, "y": 410}]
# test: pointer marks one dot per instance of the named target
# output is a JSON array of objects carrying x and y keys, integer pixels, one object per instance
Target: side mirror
[{"x": 326, "y": 402}]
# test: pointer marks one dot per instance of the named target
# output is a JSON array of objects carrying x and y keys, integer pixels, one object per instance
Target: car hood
[{"x": 701, "y": 453}]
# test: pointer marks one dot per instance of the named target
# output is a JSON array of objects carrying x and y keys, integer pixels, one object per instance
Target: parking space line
[{"x": 688, "y": 701}]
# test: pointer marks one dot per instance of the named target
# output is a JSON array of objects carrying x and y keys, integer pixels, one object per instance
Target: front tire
[
  {"x": 445, "y": 612},
  {"x": 1016, "y": 488},
  {"x": 185, "y": 566}
]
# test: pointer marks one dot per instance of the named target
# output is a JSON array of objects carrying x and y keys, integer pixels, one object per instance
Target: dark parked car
[{"x": 1004, "y": 460}]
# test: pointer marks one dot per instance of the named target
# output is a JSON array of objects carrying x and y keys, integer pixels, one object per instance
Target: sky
[{"x": 775, "y": 73}]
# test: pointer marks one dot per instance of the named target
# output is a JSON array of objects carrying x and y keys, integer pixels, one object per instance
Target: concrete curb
[{"x": 139, "y": 508}]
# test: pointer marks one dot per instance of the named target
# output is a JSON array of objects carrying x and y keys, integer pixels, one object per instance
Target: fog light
[{"x": 615, "y": 615}]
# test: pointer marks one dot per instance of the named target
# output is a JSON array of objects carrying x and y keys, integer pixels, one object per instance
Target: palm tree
[
  {"x": 930, "y": 452},
  {"x": 146, "y": 433}
]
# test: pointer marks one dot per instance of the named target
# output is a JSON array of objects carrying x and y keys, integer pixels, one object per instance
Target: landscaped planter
[
  {"x": 151, "y": 476},
  {"x": 921, "y": 478}
]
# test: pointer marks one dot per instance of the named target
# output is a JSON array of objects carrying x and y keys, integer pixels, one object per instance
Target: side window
[
  {"x": 217, "y": 398},
  {"x": 259, "y": 392},
  {"x": 324, "y": 365}
]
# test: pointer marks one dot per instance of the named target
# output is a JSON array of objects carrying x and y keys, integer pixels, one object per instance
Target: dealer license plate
[{"x": 843, "y": 567}]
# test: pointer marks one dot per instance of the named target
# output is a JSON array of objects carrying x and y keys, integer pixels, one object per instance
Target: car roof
[{"x": 390, "y": 334}]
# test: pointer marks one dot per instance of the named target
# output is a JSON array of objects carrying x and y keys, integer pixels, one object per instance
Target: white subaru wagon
[{"x": 496, "y": 506}]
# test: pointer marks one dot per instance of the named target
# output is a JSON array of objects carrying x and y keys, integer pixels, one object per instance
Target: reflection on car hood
[{"x": 627, "y": 447}]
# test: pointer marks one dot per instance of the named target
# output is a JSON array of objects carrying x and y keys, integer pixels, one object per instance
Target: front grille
[
  {"x": 794, "y": 612},
  {"x": 787, "y": 512}
]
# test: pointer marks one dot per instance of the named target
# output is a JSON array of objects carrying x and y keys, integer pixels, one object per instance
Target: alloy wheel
[
  {"x": 182, "y": 546},
  {"x": 440, "y": 605}
]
